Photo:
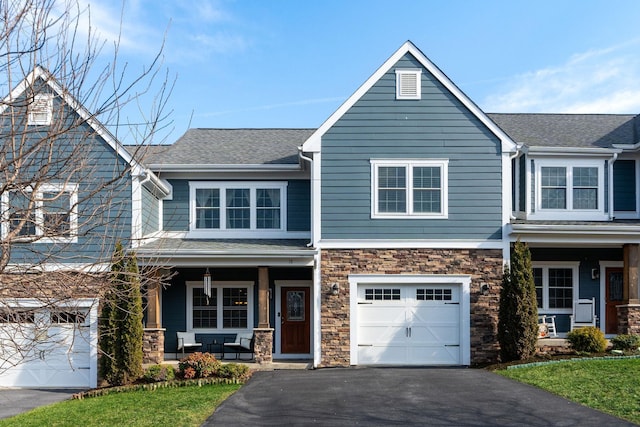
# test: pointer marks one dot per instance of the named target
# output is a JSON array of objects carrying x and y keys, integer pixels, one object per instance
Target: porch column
[
  {"x": 629, "y": 314},
  {"x": 631, "y": 254},
  {"x": 153, "y": 303},
  {"x": 153, "y": 335},
  {"x": 263, "y": 297}
]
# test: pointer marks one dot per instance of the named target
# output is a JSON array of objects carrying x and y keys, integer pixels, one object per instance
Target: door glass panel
[
  {"x": 295, "y": 305},
  {"x": 615, "y": 286}
]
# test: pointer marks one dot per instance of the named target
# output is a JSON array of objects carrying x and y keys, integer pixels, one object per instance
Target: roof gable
[
  {"x": 40, "y": 72},
  {"x": 313, "y": 143}
]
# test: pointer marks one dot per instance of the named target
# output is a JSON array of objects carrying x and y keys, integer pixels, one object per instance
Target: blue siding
[
  {"x": 104, "y": 193},
  {"x": 438, "y": 126},
  {"x": 150, "y": 212},
  {"x": 624, "y": 185},
  {"x": 176, "y": 211}
]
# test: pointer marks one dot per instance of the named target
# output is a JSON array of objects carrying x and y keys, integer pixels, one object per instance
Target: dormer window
[
  {"x": 408, "y": 84},
  {"x": 40, "y": 110}
]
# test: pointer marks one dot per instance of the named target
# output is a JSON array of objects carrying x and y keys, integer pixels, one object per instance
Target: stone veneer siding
[
  {"x": 629, "y": 319},
  {"x": 483, "y": 265},
  {"x": 262, "y": 345},
  {"x": 153, "y": 345}
]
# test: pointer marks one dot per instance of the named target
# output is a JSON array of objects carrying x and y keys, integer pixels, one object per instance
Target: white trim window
[
  {"x": 556, "y": 286},
  {"x": 408, "y": 84},
  {"x": 576, "y": 187},
  {"x": 40, "y": 110},
  {"x": 228, "y": 309},
  {"x": 409, "y": 188},
  {"x": 237, "y": 207},
  {"x": 48, "y": 214}
]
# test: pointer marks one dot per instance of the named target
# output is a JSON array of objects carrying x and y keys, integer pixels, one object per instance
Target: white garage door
[
  {"x": 409, "y": 324},
  {"x": 44, "y": 347}
]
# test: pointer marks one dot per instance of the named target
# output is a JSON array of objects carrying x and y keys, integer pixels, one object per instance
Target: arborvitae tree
[
  {"x": 121, "y": 322},
  {"x": 131, "y": 330},
  {"x": 518, "y": 318}
]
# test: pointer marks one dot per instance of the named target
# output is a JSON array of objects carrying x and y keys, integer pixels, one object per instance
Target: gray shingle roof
[
  {"x": 231, "y": 147},
  {"x": 570, "y": 130}
]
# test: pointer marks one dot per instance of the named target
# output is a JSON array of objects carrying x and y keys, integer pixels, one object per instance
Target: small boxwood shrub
[
  {"x": 199, "y": 365},
  {"x": 235, "y": 371},
  {"x": 626, "y": 342},
  {"x": 157, "y": 373},
  {"x": 589, "y": 340}
]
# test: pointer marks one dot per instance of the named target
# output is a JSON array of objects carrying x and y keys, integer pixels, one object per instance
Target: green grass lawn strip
[
  {"x": 610, "y": 385},
  {"x": 182, "y": 406}
]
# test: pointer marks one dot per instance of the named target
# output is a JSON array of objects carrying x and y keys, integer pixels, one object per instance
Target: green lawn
[
  {"x": 610, "y": 385},
  {"x": 180, "y": 406}
]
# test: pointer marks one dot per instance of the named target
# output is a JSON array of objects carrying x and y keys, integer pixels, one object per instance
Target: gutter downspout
[{"x": 310, "y": 160}]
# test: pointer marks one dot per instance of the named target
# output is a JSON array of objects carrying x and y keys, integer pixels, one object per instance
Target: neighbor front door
[
  {"x": 295, "y": 324},
  {"x": 614, "y": 296}
]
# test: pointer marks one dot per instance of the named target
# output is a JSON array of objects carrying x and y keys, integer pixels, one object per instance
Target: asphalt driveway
[
  {"x": 398, "y": 396},
  {"x": 16, "y": 400}
]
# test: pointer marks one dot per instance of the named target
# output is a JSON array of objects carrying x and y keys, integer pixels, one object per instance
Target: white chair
[
  {"x": 547, "y": 326},
  {"x": 187, "y": 340},
  {"x": 584, "y": 313},
  {"x": 243, "y": 343}
]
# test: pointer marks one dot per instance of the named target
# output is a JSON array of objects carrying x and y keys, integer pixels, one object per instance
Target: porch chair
[
  {"x": 584, "y": 313},
  {"x": 547, "y": 326},
  {"x": 243, "y": 343},
  {"x": 187, "y": 340}
]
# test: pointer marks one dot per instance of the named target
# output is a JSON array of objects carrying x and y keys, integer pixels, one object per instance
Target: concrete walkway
[{"x": 398, "y": 396}]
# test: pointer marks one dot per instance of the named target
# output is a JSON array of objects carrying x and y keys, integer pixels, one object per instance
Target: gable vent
[
  {"x": 40, "y": 110},
  {"x": 408, "y": 84}
]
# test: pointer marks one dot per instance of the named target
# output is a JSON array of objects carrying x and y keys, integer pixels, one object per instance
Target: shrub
[
  {"x": 199, "y": 365},
  {"x": 589, "y": 339},
  {"x": 626, "y": 342},
  {"x": 518, "y": 315},
  {"x": 157, "y": 373},
  {"x": 234, "y": 371}
]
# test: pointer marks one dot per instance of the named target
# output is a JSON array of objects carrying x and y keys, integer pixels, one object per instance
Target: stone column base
[
  {"x": 629, "y": 319},
  {"x": 263, "y": 345},
  {"x": 153, "y": 345}
]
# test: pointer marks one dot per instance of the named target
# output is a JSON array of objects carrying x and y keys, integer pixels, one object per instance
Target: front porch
[{"x": 220, "y": 290}]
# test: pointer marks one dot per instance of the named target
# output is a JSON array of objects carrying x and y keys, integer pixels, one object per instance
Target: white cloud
[{"x": 596, "y": 81}]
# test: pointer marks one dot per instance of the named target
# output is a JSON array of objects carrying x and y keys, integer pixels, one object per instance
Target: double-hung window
[
  {"x": 409, "y": 188},
  {"x": 229, "y": 308},
  {"x": 556, "y": 286},
  {"x": 238, "y": 206},
  {"x": 47, "y": 212},
  {"x": 564, "y": 186}
]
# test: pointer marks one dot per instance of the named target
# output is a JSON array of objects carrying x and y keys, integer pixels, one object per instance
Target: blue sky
[{"x": 277, "y": 63}]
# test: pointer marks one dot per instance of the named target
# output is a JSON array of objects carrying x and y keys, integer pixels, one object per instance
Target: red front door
[
  {"x": 614, "y": 296},
  {"x": 295, "y": 324}
]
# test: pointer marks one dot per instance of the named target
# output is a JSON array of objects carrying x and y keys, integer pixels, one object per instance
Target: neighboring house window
[
  {"x": 48, "y": 213},
  {"x": 238, "y": 206},
  {"x": 408, "y": 85},
  {"x": 556, "y": 286},
  {"x": 409, "y": 188},
  {"x": 229, "y": 308},
  {"x": 41, "y": 110},
  {"x": 577, "y": 187}
]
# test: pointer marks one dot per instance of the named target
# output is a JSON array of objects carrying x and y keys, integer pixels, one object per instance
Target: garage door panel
[
  {"x": 382, "y": 354},
  {"x": 53, "y": 352},
  {"x": 436, "y": 355},
  {"x": 420, "y": 326}
]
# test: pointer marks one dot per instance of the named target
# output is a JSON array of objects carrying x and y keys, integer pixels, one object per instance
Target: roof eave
[{"x": 164, "y": 167}]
